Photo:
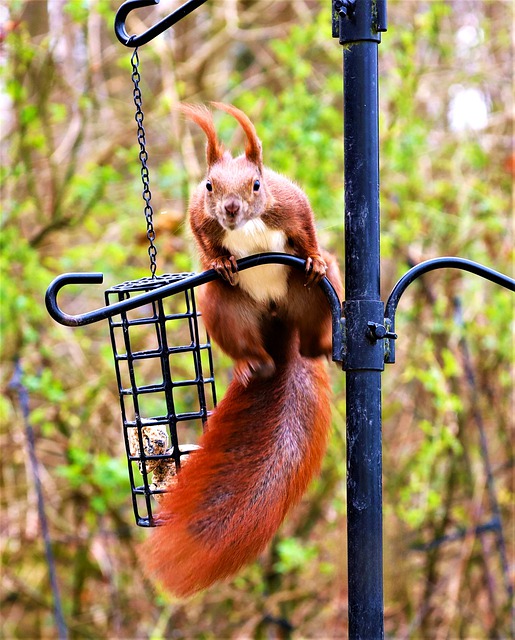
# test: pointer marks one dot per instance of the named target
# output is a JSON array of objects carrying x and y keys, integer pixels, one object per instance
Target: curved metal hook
[
  {"x": 152, "y": 32},
  {"x": 430, "y": 265},
  {"x": 189, "y": 282},
  {"x": 57, "y": 284}
]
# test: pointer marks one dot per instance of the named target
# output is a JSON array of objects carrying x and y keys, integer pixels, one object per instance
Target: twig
[
  {"x": 483, "y": 443},
  {"x": 23, "y": 398},
  {"x": 458, "y": 534}
]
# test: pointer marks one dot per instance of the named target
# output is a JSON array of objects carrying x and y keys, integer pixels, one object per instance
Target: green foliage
[
  {"x": 71, "y": 201},
  {"x": 105, "y": 477},
  {"x": 78, "y": 10},
  {"x": 293, "y": 555}
]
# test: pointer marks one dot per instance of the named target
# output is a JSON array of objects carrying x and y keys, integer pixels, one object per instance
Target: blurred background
[{"x": 71, "y": 201}]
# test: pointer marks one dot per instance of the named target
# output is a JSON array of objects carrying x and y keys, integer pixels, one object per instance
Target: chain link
[{"x": 143, "y": 156}]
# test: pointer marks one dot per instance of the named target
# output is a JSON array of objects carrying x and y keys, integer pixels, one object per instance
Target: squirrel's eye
[
  {"x": 256, "y": 186},
  {"x": 209, "y": 186}
]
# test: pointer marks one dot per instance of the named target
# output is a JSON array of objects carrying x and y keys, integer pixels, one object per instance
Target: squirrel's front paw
[
  {"x": 316, "y": 269},
  {"x": 227, "y": 267}
]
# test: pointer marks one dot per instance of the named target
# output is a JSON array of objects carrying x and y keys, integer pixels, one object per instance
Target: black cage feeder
[
  {"x": 165, "y": 389},
  {"x": 163, "y": 360}
]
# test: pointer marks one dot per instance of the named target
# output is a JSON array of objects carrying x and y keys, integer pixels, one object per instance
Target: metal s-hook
[{"x": 152, "y": 32}]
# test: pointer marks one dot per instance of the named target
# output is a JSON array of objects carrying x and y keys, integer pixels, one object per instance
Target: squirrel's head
[{"x": 235, "y": 188}]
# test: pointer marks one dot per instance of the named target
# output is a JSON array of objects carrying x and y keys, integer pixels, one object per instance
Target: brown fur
[
  {"x": 266, "y": 439},
  {"x": 262, "y": 446},
  {"x": 283, "y": 206},
  {"x": 202, "y": 116},
  {"x": 253, "y": 151}
]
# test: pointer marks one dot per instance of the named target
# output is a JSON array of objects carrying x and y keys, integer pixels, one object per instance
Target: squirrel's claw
[
  {"x": 227, "y": 267},
  {"x": 316, "y": 269}
]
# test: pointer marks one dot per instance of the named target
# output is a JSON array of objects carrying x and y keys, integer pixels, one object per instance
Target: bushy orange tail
[{"x": 263, "y": 444}]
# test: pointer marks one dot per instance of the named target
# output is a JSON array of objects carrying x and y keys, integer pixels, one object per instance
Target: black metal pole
[{"x": 359, "y": 24}]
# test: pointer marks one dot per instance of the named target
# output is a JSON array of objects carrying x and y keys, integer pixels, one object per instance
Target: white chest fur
[{"x": 266, "y": 282}]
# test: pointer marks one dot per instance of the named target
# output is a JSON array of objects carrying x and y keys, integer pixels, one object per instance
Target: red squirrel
[{"x": 265, "y": 440}]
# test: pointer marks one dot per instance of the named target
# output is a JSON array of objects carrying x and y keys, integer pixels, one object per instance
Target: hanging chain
[{"x": 143, "y": 156}]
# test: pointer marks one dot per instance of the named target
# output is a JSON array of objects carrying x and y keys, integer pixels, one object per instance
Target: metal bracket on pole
[
  {"x": 363, "y": 346},
  {"x": 182, "y": 284}
]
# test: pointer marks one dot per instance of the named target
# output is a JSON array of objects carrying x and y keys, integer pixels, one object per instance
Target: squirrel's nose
[{"x": 232, "y": 207}]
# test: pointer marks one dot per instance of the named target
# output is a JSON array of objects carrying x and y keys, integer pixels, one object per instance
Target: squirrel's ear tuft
[
  {"x": 202, "y": 116},
  {"x": 253, "y": 148}
]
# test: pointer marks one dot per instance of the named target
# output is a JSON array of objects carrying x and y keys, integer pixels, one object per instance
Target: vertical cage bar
[
  {"x": 167, "y": 381},
  {"x": 199, "y": 372},
  {"x": 135, "y": 399},
  {"x": 112, "y": 324},
  {"x": 211, "y": 370}
]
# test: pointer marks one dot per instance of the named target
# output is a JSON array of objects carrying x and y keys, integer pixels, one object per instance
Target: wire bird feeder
[
  {"x": 176, "y": 390},
  {"x": 162, "y": 355},
  {"x": 179, "y": 385}
]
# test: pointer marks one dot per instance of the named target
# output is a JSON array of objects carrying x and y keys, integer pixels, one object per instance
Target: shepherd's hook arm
[
  {"x": 430, "y": 265},
  {"x": 177, "y": 287},
  {"x": 136, "y": 41}
]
